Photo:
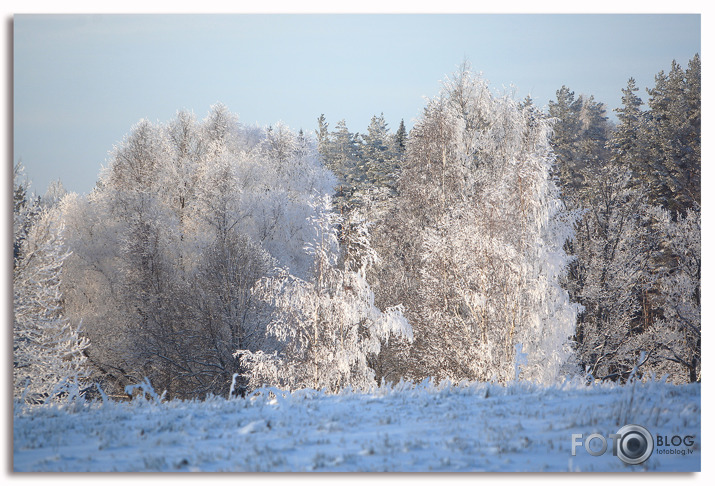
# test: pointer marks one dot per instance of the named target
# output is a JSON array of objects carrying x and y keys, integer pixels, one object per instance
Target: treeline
[
  {"x": 493, "y": 242},
  {"x": 636, "y": 186}
]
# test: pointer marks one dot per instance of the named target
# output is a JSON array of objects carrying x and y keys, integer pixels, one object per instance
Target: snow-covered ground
[{"x": 425, "y": 427}]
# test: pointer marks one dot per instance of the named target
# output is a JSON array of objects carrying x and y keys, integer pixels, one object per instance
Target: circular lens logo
[{"x": 635, "y": 445}]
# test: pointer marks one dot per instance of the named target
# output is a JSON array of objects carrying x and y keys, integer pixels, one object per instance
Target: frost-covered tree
[
  {"x": 379, "y": 155},
  {"x": 672, "y": 134},
  {"x": 365, "y": 165},
  {"x": 322, "y": 135},
  {"x": 23, "y": 209},
  {"x": 329, "y": 323},
  {"x": 138, "y": 212},
  {"x": 186, "y": 218},
  {"x": 48, "y": 359},
  {"x": 661, "y": 144},
  {"x": 344, "y": 150},
  {"x": 401, "y": 139},
  {"x": 626, "y": 140},
  {"x": 480, "y": 272},
  {"x": 675, "y": 337},
  {"x": 53, "y": 195},
  {"x": 640, "y": 271},
  {"x": 579, "y": 139},
  {"x": 637, "y": 268},
  {"x": 612, "y": 275}
]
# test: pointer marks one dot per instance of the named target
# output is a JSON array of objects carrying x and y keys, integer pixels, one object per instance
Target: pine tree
[
  {"x": 626, "y": 143},
  {"x": 401, "y": 139},
  {"x": 579, "y": 139},
  {"x": 380, "y": 164},
  {"x": 322, "y": 135},
  {"x": 565, "y": 109},
  {"x": 672, "y": 137}
]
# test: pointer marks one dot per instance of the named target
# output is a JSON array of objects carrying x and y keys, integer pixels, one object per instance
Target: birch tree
[
  {"x": 329, "y": 323},
  {"x": 480, "y": 271}
]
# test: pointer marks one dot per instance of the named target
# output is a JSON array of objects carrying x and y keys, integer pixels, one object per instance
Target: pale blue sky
[{"x": 81, "y": 82}]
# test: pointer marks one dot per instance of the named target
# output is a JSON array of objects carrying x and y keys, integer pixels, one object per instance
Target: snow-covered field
[{"x": 425, "y": 427}]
